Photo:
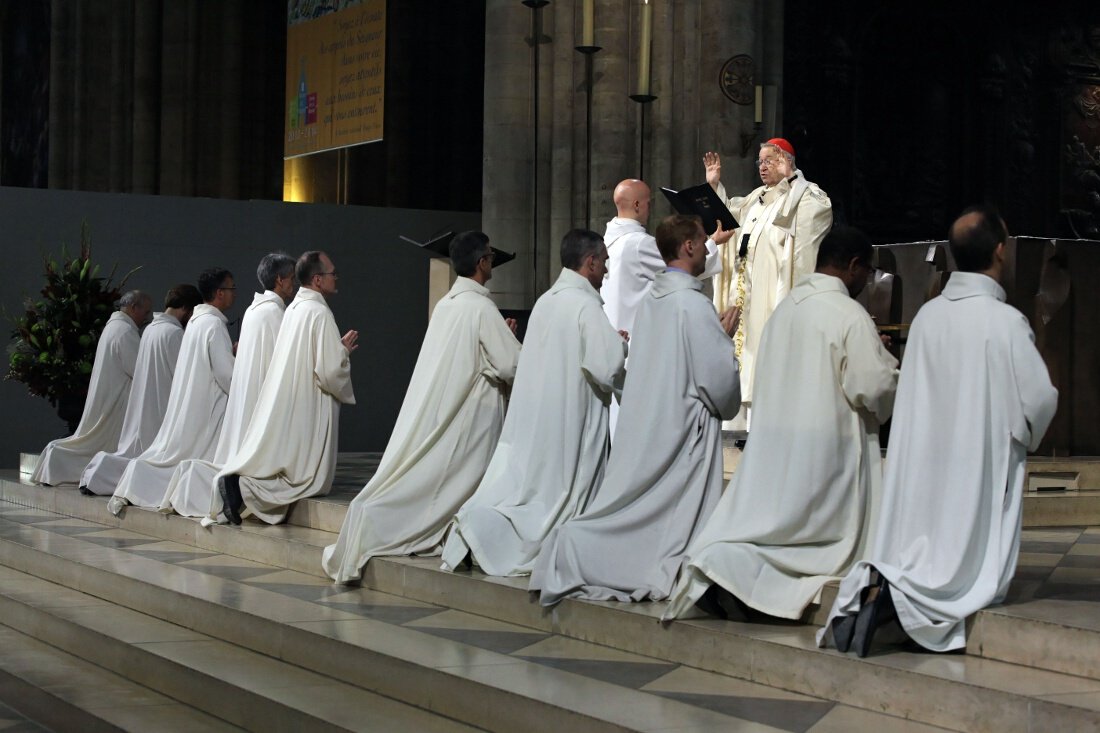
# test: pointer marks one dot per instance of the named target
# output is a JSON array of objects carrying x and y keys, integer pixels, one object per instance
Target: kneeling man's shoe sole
[{"x": 229, "y": 506}]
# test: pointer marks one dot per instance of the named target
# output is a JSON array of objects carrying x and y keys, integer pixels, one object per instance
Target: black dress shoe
[
  {"x": 229, "y": 488},
  {"x": 735, "y": 609},
  {"x": 877, "y": 610},
  {"x": 842, "y": 627},
  {"x": 708, "y": 603},
  {"x": 86, "y": 491}
]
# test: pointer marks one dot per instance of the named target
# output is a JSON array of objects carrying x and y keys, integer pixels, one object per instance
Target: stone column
[
  {"x": 691, "y": 41},
  {"x": 507, "y": 200}
]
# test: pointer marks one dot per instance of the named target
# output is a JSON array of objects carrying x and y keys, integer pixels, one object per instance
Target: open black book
[
  {"x": 703, "y": 202},
  {"x": 440, "y": 247}
]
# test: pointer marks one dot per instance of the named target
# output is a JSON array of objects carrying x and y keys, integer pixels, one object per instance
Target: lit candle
[
  {"x": 643, "y": 53},
  {"x": 588, "y": 36},
  {"x": 759, "y": 104}
]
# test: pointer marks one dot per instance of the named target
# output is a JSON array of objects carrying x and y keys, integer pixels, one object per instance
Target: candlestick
[
  {"x": 588, "y": 34},
  {"x": 643, "y": 52}
]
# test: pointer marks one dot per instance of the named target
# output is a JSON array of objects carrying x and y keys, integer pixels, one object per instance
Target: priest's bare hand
[
  {"x": 349, "y": 341},
  {"x": 729, "y": 319},
  {"x": 625, "y": 335},
  {"x": 886, "y": 340},
  {"x": 721, "y": 236},
  {"x": 511, "y": 322},
  {"x": 784, "y": 167},
  {"x": 235, "y": 344},
  {"x": 713, "y": 166}
]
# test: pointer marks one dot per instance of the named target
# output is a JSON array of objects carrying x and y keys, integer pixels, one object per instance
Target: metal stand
[
  {"x": 536, "y": 39},
  {"x": 643, "y": 101},
  {"x": 589, "y": 81}
]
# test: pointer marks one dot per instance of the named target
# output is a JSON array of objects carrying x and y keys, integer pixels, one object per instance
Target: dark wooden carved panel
[
  {"x": 906, "y": 114},
  {"x": 1077, "y": 51},
  {"x": 1052, "y": 282}
]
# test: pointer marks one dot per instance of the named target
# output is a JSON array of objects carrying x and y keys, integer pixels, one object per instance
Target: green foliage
[{"x": 54, "y": 341}]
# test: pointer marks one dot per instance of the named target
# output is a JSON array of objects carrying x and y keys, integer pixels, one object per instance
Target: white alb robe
[
  {"x": 288, "y": 451},
  {"x": 444, "y": 436},
  {"x": 100, "y": 425},
  {"x": 785, "y": 224},
  {"x": 665, "y": 471},
  {"x": 974, "y": 396},
  {"x": 800, "y": 509},
  {"x": 152, "y": 385},
  {"x": 553, "y": 446},
  {"x": 192, "y": 491},
  {"x": 196, "y": 407},
  {"x": 633, "y": 261}
]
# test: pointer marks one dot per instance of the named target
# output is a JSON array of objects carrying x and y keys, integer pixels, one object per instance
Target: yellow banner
[{"x": 335, "y": 78}]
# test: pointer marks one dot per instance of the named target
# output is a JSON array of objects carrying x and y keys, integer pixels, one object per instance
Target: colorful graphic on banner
[{"x": 335, "y": 76}]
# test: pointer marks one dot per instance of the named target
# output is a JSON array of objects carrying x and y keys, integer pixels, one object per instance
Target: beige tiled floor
[{"x": 1059, "y": 563}]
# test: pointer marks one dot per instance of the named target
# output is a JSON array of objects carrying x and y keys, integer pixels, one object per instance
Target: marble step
[
  {"x": 1060, "y": 645},
  {"x": 290, "y": 546},
  {"x": 954, "y": 691},
  {"x": 253, "y": 627},
  {"x": 1054, "y": 634},
  {"x": 1062, "y": 508},
  {"x": 1041, "y": 509},
  {"x": 63, "y": 692},
  {"x": 1054, "y": 509},
  {"x": 238, "y": 688},
  {"x": 1057, "y": 509}
]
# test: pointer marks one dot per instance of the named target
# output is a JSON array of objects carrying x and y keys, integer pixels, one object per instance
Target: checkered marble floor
[
  {"x": 749, "y": 706},
  {"x": 353, "y": 471},
  {"x": 1060, "y": 563},
  {"x": 12, "y": 722}
]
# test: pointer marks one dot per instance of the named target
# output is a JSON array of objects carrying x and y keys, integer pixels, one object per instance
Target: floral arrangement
[{"x": 54, "y": 342}]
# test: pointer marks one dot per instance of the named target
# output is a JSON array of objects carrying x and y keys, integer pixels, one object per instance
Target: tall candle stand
[
  {"x": 589, "y": 53},
  {"x": 535, "y": 41}
]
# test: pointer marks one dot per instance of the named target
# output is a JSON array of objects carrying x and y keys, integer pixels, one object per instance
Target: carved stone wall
[{"x": 907, "y": 114}]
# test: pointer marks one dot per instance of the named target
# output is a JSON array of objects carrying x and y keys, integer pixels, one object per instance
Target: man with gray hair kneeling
[
  {"x": 152, "y": 386},
  {"x": 288, "y": 451},
  {"x": 108, "y": 391}
]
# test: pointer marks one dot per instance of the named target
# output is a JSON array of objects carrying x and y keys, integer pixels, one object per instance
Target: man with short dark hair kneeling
[
  {"x": 553, "y": 446},
  {"x": 196, "y": 405},
  {"x": 800, "y": 508},
  {"x": 447, "y": 428},
  {"x": 665, "y": 472}
]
